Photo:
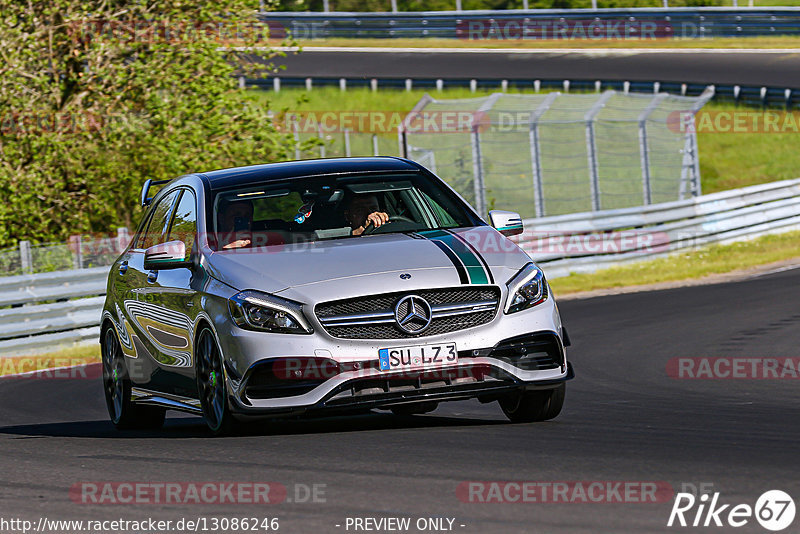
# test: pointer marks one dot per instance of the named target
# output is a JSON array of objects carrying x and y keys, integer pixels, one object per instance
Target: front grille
[{"x": 381, "y": 324}]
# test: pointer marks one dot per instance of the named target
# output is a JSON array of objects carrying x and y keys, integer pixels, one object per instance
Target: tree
[{"x": 96, "y": 96}]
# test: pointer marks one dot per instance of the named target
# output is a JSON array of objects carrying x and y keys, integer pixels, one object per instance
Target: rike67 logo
[{"x": 774, "y": 510}]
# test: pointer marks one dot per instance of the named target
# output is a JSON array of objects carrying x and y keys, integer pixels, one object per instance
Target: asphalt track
[
  {"x": 772, "y": 68},
  {"x": 624, "y": 420}
]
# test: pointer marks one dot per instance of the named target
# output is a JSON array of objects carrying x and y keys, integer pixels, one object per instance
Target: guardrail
[
  {"x": 574, "y": 24},
  {"x": 41, "y": 312},
  {"x": 748, "y": 95},
  {"x": 587, "y": 242}
]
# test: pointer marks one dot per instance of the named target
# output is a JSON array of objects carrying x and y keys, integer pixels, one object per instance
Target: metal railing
[
  {"x": 569, "y": 24},
  {"x": 747, "y": 95},
  {"x": 42, "y": 312},
  {"x": 587, "y": 242}
]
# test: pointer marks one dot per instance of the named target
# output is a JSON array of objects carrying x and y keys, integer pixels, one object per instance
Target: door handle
[
  {"x": 152, "y": 276},
  {"x": 123, "y": 267}
]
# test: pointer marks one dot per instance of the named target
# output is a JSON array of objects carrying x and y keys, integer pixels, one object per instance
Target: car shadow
[{"x": 194, "y": 427}]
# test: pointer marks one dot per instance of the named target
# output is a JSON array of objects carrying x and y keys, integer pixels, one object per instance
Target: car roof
[{"x": 306, "y": 168}]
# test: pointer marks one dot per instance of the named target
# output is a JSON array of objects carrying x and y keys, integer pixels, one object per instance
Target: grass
[
  {"x": 716, "y": 259},
  {"x": 733, "y": 160},
  {"x": 763, "y": 42},
  {"x": 83, "y": 354}
]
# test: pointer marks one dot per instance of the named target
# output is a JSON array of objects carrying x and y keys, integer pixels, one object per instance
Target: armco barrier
[
  {"x": 556, "y": 243},
  {"x": 768, "y": 97},
  {"x": 41, "y": 312},
  {"x": 55, "y": 309},
  {"x": 556, "y": 23}
]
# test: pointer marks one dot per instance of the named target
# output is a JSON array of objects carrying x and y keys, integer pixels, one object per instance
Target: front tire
[
  {"x": 117, "y": 387},
  {"x": 537, "y": 405},
  {"x": 211, "y": 385}
]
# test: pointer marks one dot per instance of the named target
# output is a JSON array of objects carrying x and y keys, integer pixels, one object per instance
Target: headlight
[
  {"x": 259, "y": 311},
  {"x": 526, "y": 289}
]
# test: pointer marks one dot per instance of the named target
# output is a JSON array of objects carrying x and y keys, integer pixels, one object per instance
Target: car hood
[{"x": 340, "y": 268}]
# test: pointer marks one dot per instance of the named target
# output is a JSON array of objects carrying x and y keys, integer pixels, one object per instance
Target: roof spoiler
[{"x": 146, "y": 188}]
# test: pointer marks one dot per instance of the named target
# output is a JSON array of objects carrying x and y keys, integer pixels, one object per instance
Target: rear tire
[
  {"x": 537, "y": 405},
  {"x": 124, "y": 413},
  {"x": 211, "y": 385}
]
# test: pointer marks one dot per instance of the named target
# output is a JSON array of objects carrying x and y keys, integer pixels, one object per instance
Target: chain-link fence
[
  {"x": 317, "y": 138},
  {"x": 550, "y": 154},
  {"x": 80, "y": 252}
]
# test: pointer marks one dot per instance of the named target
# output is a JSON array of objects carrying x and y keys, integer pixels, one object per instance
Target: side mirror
[
  {"x": 507, "y": 223},
  {"x": 169, "y": 255}
]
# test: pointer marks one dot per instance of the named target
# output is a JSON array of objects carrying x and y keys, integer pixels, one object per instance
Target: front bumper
[{"x": 531, "y": 361}]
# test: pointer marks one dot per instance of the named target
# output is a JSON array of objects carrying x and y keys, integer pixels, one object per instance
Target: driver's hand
[
  {"x": 239, "y": 243},
  {"x": 377, "y": 218}
]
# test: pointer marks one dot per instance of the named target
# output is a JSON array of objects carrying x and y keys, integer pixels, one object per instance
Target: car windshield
[{"x": 314, "y": 209}]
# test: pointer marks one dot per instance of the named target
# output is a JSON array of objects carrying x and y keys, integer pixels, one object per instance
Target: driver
[
  {"x": 235, "y": 221},
  {"x": 362, "y": 210}
]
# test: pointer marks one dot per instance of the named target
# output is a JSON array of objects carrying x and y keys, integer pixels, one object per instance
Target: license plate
[{"x": 418, "y": 356}]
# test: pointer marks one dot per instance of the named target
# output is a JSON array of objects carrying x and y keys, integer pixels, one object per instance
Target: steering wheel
[{"x": 370, "y": 228}]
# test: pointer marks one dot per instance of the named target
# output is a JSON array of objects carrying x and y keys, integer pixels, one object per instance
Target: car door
[
  {"x": 173, "y": 295},
  {"x": 137, "y": 298}
]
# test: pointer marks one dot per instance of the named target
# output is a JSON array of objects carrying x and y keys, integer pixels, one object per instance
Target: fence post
[
  {"x": 77, "y": 251},
  {"x": 477, "y": 173},
  {"x": 402, "y": 128},
  {"x": 591, "y": 148},
  {"x": 690, "y": 171},
  {"x": 347, "y": 142},
  {"x": 402, "y": 142},
  {"x": 644, "y": 148},
  {"x": 696, "y": 187},
  {"x": 321, "y": 138},
  {"x": 25, "y": 259},
  {"x": 375, "y": 151},
  {"x": 123, "y": 238},
  {"x": 535, "y": 147},
  {"x": 296, "y": 135},
  {"x": 478, "y": 183},
  {"x": 644, "y": 156}
]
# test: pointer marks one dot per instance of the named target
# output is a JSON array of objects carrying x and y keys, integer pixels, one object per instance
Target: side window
[
  {"x": 158, "y": 222},
  {"x": 184, "y": 222},
  {"x": 445, "y": 219}
]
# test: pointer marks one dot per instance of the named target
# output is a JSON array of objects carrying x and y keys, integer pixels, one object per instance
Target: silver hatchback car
[{"x": 324, "y": 286}]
